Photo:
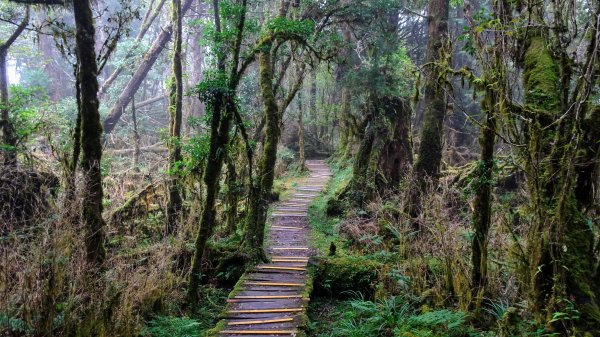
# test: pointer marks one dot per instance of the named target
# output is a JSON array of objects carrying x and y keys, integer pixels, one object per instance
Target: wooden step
[
  {"x": 289, "y": 215},
  {"x": 281, "y": 268},
  {"x": 267, "y": 297},
  {"x": 286, "y": 227},
  {"x": 290, "y": 257},
  {"x": 263, "y": 321},
  {"x": 264, "y": 311},
  {"x": 276, "y": 284}
]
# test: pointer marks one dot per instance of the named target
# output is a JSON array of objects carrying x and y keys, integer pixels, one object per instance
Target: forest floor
[{"x": 271, "y": 299}]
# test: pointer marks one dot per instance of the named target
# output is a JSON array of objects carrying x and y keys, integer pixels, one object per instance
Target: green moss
[
  {"x": 221, "y": 325},
  {"x": 343, "y": 276},
  {"x": 540, "y": 76}
]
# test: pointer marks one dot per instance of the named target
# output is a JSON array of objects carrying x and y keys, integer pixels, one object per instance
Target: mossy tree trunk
[
  {"x": 175, "y": 116},
  {"x": 483, "y": 180},
  {"x": 91, "y": 132},
  {"x": 263, "y": 184},
  {"x": 301, "y": 155},
  {"x": 385, "y": 152},
  {"x": 257, "y": 212},
  {"x": 136, "y": 137},
  {"x": 223, "y": 107},
  {"x": 558, "y": 160},
  {"x": 8, "y": 139},
  {"x": 312, "y": 102},
  {"x": 430, "y": 149},
  {"x": 233, "y": 195}
]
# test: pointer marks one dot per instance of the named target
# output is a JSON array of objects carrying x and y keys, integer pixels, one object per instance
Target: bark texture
[
  {"x": 175, "y": 117},
  {"x": 430, "y": 148},
  {"x": 91, "y": 131}
]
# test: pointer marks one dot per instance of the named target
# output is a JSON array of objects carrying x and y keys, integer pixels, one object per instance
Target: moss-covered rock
[{"x": 344, "y": 276}]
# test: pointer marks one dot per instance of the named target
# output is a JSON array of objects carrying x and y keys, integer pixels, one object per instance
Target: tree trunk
[
  {"x": 136, "y": 137},
  {"x": 9, "y": 139},
  {"x": 138, "y": 39},
  {"x": 71, "y": 167},
  {"x": 430, "y": 149},
  {"x": 175, "y": 115},
  {"x": 232, "y": 197},
  {"x": 312, "y": 104},
  {"x": 140, "y": 73},
  {"x": 195, "y": 106},
  {"x": 482, "y": 216},
  {"x": 266, "y": 167},
  {"x": 302, "y": 156},
  {"x": 222, "y": 108},
  {"x": 91, "y": 132},
  {"x": 385, "y": 152},
  {"x": 558, "y": 158}
]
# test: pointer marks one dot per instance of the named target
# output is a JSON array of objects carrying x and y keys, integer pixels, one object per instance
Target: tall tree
[
  {"x": 9, "y": 139},
  {"x": 91, "y": 131},
  {"x": 559, "y": 131},
  {"x": 219, "y": 97},
  {"x": 385, "y": 151},
  {"x": 490, "y": 60},
  {"x": 430, "y": 149},
  {"x": 175, "y": 116}
]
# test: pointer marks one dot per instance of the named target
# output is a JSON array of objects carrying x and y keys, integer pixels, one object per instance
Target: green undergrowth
[
  {"x": 374, "y": 287},
  {"x": 392, "y": 316},
  {"x": 325, "y": 229},
  {"x": 195, "y": 325}
]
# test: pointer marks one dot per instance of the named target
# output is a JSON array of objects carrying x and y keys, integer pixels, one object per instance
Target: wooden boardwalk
[{"x": 271, "y": 300}]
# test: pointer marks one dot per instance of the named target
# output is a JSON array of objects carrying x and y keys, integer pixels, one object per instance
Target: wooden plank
[
  {"x": 266, "y": 297},
  {"x": 276, "y": 284},
  {"x": 260, "y": 332},
  {"x": 286, "y": 227},
  {"x": 281, "y": 268},
  {"x": 263, "y": 321},
  {"x": 289, "y": 257},
  {"x": 288, "y": 215},
  {"x": 261, "y": 311}
]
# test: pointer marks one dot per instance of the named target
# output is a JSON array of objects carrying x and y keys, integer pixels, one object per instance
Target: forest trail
[{"x": 273, "y": 297}]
